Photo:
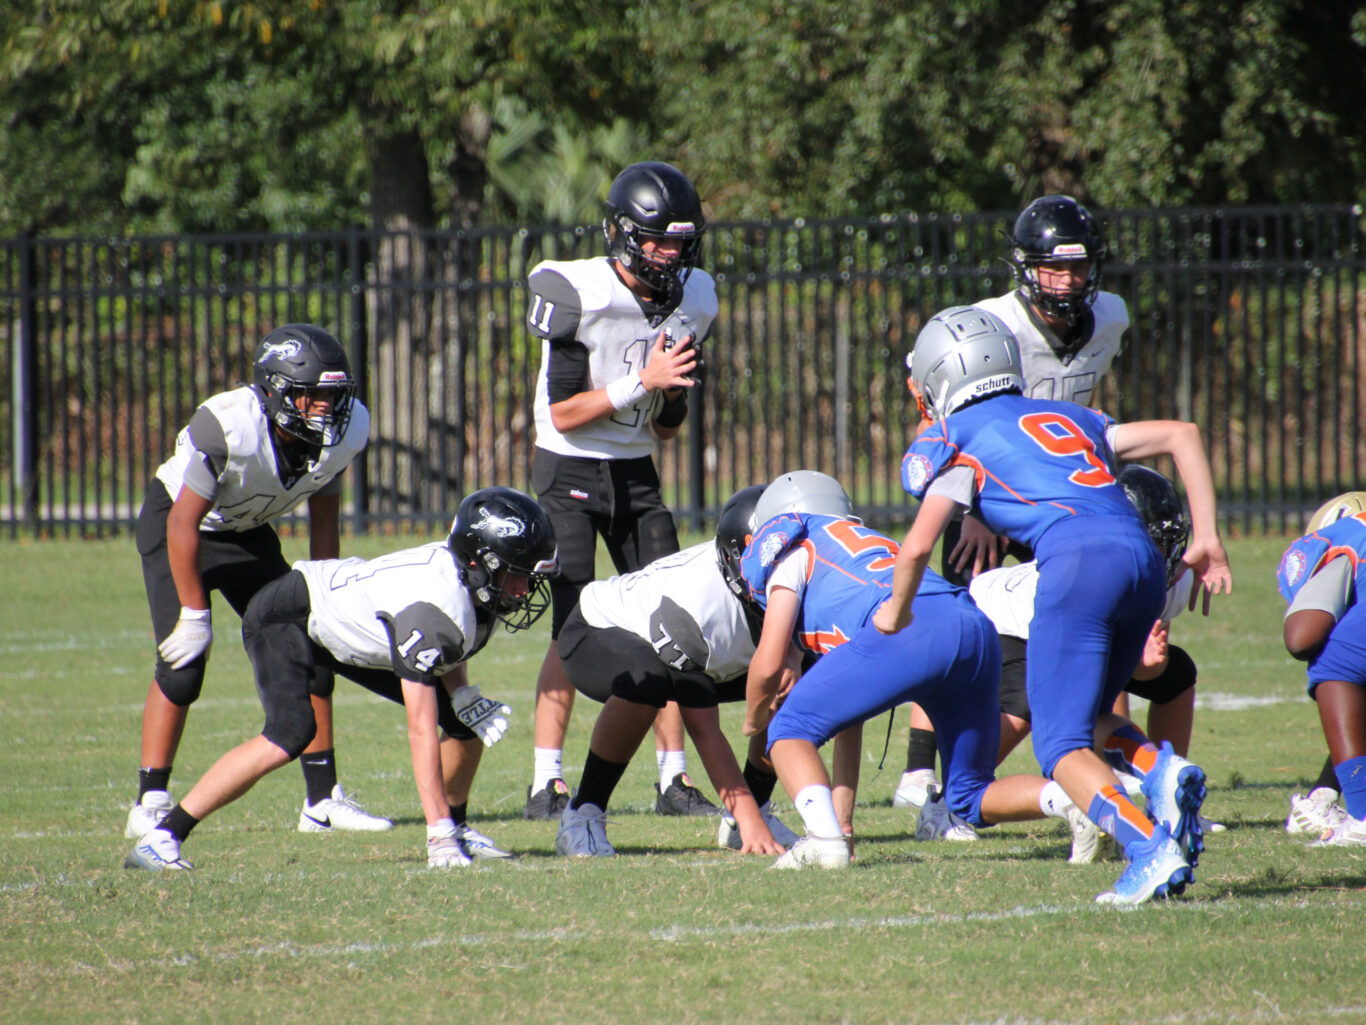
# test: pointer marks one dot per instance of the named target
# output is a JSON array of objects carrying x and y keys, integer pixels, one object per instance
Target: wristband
[
  {"x": 188, "y": 614},
  {"x": 625, "y": 391}
]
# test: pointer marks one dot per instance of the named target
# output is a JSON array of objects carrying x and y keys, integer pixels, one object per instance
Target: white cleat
[
  {"x": 936, "y": 822},
  {"x": 340, "y": 812},
  {"x": 1315, "y": 813},
  {"x": 144, "y": 816},
  {"x": 477, "y": 845},
  {"x": 1349, "y": 832},
  {"x": 815, "y": 852},
  {"x": 728, "y": 832},
  {"x": 914, "y": 787},
  {"x": 157, "y": 851},
  {"x": 1089, "y": 842}
]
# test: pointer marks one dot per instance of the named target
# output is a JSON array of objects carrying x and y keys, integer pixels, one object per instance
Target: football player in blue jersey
[
  {"x": 819, "y": 574},
  {"x": 1041, "y": 473},
  {"x": 1321, "y": 575}
]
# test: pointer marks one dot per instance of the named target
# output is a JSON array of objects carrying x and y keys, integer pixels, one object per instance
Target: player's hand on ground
[
  {"x": 887, "y": 621},
  {"x": 1209, "y": 562},
  {"x": 977, "y": 548},
  {"x": 485, "y": 716},
  {"x": 191, "y": 637},
  {"x": 762, "y": 843},
  {"x": 670, "y": 368}
]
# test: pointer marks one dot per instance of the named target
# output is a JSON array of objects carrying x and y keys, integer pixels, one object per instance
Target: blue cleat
[
  {"x": 583, "y": 833},
  {"x": 1175, "y": 789},
  {"x": 1156, "y": 869}
]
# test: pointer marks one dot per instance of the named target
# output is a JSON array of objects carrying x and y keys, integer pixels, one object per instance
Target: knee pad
[
  {"x": 181, "y": 686},
  {"x": 291, "y": 731},
  {"x": 1014, "y": 697},
  {"x": 1175, "y": 680}
]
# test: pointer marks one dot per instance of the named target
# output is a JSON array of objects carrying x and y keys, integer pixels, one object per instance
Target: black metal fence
[{"x": 1248, "y": 321}]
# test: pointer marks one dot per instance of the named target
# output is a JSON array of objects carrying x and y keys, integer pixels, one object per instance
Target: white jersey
[
  {"x": 586, "y": 301},
  {"x": 226, "y": 454},
  {"x": 407, "y": 612},
  {"x": 1006, "y": 597},
  {"x": 680, "y": 604},
  {"x": 1071, "y": 377}
]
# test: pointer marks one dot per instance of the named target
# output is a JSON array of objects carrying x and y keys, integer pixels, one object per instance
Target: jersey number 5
[{"x": 1059, "y": 436}]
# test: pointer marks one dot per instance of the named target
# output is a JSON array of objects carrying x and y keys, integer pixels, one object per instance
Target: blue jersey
[
  {"x": 1308, "y": 554},
  {"x": 1035, "y": 462},
  {"x": 849, "y": 574}
]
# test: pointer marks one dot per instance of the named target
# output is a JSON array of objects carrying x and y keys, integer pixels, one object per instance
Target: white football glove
[
  {"x": 191, "y": 637},
  {"x": 485, "y": 716},
  {"x": 443, "y": 846}
]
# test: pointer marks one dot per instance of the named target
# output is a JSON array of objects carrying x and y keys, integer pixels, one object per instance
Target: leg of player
[
  {"x": 911, "y": 790},
  {"x": 675, "y": 793},
  {"x": 1342, "y": 711},
  {"x": 846, "y": 758},
  {"x": 799, "y": 767},
  {"x": 617, "y": 735},
  {"x": 548, "y": 796},
  {"x": 163, "y": 723},
  {"x": 459, "y": 762},
  {"x": 328, "y": 808}
]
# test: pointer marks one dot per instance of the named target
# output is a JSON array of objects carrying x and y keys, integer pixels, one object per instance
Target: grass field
[{"x": 282, "y": 927}]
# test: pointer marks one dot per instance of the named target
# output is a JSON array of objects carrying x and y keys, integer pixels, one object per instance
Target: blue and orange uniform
[
  {"x": 948, "y": 660},
  {"x": 1041, "y": 474},
  {"x": 1343, "y": 656}
]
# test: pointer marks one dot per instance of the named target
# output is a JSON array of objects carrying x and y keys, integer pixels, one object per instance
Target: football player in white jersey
[
  {"x": 619, "y": 353},
  {"x": 1070, "y": 331},
  {"x": 676, "y": 630},
  {"x": 248, "y": 456},
  {"x": 402, "y": 625}
]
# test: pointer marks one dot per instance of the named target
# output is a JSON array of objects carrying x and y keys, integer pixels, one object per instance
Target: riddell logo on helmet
[
  {"x": 680, "y": 228},
  {"x": 333, "y": 377},
  {"x": 1069, "y": 250}
]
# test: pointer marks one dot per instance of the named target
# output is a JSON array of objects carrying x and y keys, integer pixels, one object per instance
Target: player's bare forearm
[
  {"x": 419, "y": 701},
  {"x": 182, "y": 547},
  {"x": 324, "y": 526}
]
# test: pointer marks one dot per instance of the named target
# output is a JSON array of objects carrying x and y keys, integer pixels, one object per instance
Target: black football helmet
[
  {"x": 733, "y": 529},
  {"x": 1163, "y": 514},
  {"x": 498, "y": 531},
  {"x": 654, "y": 200},
  {"x": 1053, "y": 229},
  {"x": 293, "y": 361}
]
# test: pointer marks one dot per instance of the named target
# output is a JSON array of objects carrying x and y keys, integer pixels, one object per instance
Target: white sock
[
  {"x": 817, "y": 809},
  {"x": 1053, "y": 800},
  {"x": 549, "y": 765},
  {"x": 670, "y": 763}
]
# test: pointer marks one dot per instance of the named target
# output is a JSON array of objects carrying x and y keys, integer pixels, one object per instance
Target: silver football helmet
[
  {"x": 803, "y": 491},
  {"x": 964, "y": 353}
]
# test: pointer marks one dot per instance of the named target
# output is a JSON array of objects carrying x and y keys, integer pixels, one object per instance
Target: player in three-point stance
[
  {"x": 675, "y": 630},
  {"x": 247, "y": 457},
  {"x": 1321, "y": 575},
  {"x": 1040, "y": 473},
  {"x": 819, "y": 574},
  {"x": 403, "y": 626}
]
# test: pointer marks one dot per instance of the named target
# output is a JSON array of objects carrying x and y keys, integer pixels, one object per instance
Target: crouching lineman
[
  {"x": 675, "y": 630},
  {"x": 820, "y": 574},
  {"x": 401, "y": 625},
  {"x": 1321, "y": 576}
]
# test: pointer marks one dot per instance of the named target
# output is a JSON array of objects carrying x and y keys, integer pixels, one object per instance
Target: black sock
[
  {"x": 1327, "y": 778},
  {"x": 320, "y": 774},
  {"x": 600, "y": 778},
  {"x": 760, "y": 782},
  {"x": 921, "y": 750},
  {"x": 178, "y": 822},
  {"x": 458, "y": 813},
  {"x": 160, "y": 779}
]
